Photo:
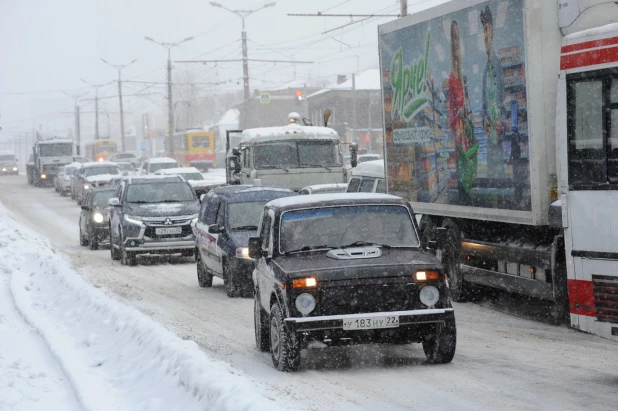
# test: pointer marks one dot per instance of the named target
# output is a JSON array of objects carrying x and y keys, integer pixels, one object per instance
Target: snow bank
[{"x": 114, "y": 356}]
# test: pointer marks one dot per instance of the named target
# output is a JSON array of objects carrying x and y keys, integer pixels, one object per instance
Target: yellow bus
[
  {"x": 195, "y": 148},
  {"x": 100, "y": 150}
]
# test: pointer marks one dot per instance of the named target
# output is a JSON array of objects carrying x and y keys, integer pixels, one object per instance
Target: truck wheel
[
  {"x": 260, "y": 320},
  {"x": 231, "y": 288},
  {"x": 113, "y": 250},
  {"x": 451, "y": 258},
  {"x": 204, "y": 279},
  {"x": 284, "y": 346},
  {"x": 440, "y": 347}
]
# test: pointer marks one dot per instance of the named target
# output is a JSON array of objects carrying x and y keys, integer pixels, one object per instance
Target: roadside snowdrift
[{"x": 115, "y": 357}]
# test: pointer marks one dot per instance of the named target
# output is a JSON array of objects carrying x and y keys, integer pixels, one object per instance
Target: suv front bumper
[
  {"x": 407, "y": 319},
  {"x": 141, "y": 243}
]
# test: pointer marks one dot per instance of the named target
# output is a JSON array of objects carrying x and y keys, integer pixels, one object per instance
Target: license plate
[
  {"x": 371, "y": 323},
  {"x": 168, "y": 230}
]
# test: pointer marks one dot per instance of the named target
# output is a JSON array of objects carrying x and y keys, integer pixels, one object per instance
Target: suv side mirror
[
  {"x": 255, "y": 247},
  {"x": 353, "y": 154},
  {"x": 113, "y": 202},
  {"x": 215, "y": 229}
]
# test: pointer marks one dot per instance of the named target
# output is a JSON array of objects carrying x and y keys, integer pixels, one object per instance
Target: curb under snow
[{"x": 114, "y": 356}]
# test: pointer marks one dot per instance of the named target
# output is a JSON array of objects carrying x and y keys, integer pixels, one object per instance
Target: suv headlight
[
  {"x": 429, "y": 295},
  {"x": 86, "y": 186},
  {"x": 14, "y": 168},
  {"x": 3, "y": 169},
  {"x": 98, "y": 217},
  {"x": 305, "y": 303},
  {"x": 133, "y": 220}
]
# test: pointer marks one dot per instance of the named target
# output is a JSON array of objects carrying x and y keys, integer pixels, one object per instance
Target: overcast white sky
[{"x": 47, "y": 46}]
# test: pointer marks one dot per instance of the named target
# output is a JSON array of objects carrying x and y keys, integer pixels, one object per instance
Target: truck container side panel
[{"x": 444, "y": 80}]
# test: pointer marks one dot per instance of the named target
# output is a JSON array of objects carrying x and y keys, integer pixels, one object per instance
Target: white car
[
  {"x": 153, "y": 165},
  {"x": 192, "y": 175},
  {"x": 324, "y": 189}
]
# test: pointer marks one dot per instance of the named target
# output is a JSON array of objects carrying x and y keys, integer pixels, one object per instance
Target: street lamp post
[
  {"x": 170, "y": 104},
  {"x": 245, "y": 64},
  {"x": 120, "y": 68},
  {"x": 78, "y": 142},
  {"x": 96, "y": 106}
]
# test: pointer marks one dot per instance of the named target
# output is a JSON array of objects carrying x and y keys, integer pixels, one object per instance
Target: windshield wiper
[
  {"x": 357, "y": 243},
  {"x": 139, "y": 202},
  {"x": 245, "y": 227},
  {"x": 273, "y": 167},
  {"x": 316, "y": 165},
  {"x": 311, "y": 248},
  {"x": 170, "y": 201}
]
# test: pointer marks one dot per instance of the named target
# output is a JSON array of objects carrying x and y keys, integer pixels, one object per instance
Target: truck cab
[
  {"x": 48, "y": 156},
  {"x": 293, "y": 156}
]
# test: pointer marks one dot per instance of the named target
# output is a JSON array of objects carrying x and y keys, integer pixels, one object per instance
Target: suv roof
[
  {"x": 152, "y": 178},
  {"x": 373, "y": 168},
  {"x": 162, "y": 160},
  {"x": 335, "y": 199}
]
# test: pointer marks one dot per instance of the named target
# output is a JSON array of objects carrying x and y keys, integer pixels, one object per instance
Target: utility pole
[
  {"x": 245, "y": 61},
  {"x": 170, "y": 100},
  {"x": 96, "y": 106},
  {"x": 120, "y": 67},
  {"x": 404, "y": 7},
  {"x": 354, "y": 107},
  {"x": 78, "y": 141}
]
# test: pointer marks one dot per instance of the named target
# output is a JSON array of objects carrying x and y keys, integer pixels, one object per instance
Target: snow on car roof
[
  {"x": 325, "y": 186},
  {"x": 288, "y": 132},
  {"x": 74, "y": 164},
  {"x": 158, "y": 160},
  {"x": 178, "y": 170},
  {"x": 147, "y": 178},
  {"x": 94, "y": 164},
  {"x": 374, "y": 168},
  {"x": 324, "y": 198}
]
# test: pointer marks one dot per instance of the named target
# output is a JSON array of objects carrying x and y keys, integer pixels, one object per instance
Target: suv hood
[
  {"x": 162, "y": 209},
  {"x": 392, "y": 262},
  {"x": 100, "y": 178}
]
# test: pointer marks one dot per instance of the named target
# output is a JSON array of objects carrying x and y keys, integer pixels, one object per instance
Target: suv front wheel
[
  {"x": 261, "y": 325},
  {"x": 440, "y": 347},
  {"x": 284, "y": 346},
  {"x": 204, "y": 279},
  {"x": 113, "y": 250},
  {"x": 126, "y": 257}
]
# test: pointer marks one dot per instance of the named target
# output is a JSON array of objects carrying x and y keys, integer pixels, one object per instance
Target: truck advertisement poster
[{"x": 455, "y": 116}]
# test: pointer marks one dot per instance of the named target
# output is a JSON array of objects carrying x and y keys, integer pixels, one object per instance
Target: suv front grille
[
  {"x": 605, "y": 289},
  {"x": 163, "y": 221}
]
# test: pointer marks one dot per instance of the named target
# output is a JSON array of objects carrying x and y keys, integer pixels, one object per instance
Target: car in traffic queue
[
  {"x": 228, "y": 217},
  {"x": 126, "y": 168},
  {"x": 91, "y": 175},
  {"x": 368, "y": 177},
  {"x": 324, "y": 189},
  {"x": 62, "y": 181},
  {"x": 193, "y": 176},
  {"x": 94, "y": 218},
  {"x": 8, "y": 163},
  {"x": 343, "y": 269},
  {"x": 125, "y": 158},
  {"x": 153, "y": 165},
  {"x": 152, "y": 215}
]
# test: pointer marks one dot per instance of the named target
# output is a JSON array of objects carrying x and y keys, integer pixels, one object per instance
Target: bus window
[{"x": 201, "y": 141}]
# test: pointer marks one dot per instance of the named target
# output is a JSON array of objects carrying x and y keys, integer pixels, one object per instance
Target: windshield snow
[
  {"x": 162, "y": 166},
  {"x": 7, "y": 158},
  {"x": 245, "y": 215},
  {"x": 56, "y": 150},
  {"x": 296, "y": 154},
  {"x": 336, "y": 227},
  {"x": 101, "y": 197},
  {"x": 97, "y": 171},
  {"x": 192, "y": 176}
]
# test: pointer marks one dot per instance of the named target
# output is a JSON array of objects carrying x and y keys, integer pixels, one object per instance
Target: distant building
[{"x": 339, "y": 98}]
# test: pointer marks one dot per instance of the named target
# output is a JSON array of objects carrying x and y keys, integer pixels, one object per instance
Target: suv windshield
[
  {"x": 297, "y": 154},
  {"x": 245, "y": 216},
  {"x": 159, "y": 192},
  {"x": 335, "y": 227},
  {"x": 162, "y": 166},
  {"x": 7, "y": 157},
  {"x": 97, "y": 171},
  {"x": 101, "y": 197},
  {"x": 52, "y": 150},
  {"x": 125, "y": 166}
]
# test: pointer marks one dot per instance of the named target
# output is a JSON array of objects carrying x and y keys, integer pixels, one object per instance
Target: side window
[
  {"x": 246, "y": 157},
  {"x": 353, "y": 185},
  {"x": 119, "y": 191},
  {"x": 592, "y": 129},
  {"x": 303, "y": 192},
  {"x": 367, "y": 185},
  {"x": 204, "y": 208},
  {"x": 381, "y": 187},
  {"x": 221, "y": 214},
  {"x": 212, "y": 210},
  {"x": 265, "y": 232}
]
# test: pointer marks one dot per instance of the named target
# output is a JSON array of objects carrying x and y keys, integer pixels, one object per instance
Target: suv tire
[
  {"x": 126, "y": 257},
  {"x": 440, "y": 347},
  {"x": 204, "y": 279},
  {"x": 231, "y": 288},
  {"x": 284, "y": 346},
  {"x": 113, "y": 251},
  {"x": 82, "y": 241},
  {"x": 92, "y": 239},
  {"x": 260, "y": 320}
]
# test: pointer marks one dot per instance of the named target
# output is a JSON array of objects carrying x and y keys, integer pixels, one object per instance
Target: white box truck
[{"x": 501, "y": 125}]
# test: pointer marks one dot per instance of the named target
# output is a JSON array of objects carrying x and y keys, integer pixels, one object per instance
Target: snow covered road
[{"x": 502, "y": 362}]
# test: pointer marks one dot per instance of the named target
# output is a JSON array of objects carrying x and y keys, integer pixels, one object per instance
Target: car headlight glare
[
  {"x": 132, "y": 220},
  {"x": 86, "y": 187},
  {"x": 242, "y": 252},
  {"x": 4, "y": 169},
  {"x": 43, "y": 176},
  {"x": 97, "y": 217},
  {"x": 14, "y": 168},
  {"x": 429, "y": 295},
  {"x": 305, "y": 303}
]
